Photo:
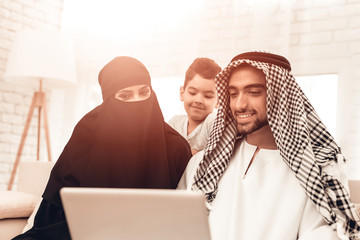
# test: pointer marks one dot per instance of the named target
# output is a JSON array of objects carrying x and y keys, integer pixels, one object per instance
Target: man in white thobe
[{"x": 270, "y": 170}]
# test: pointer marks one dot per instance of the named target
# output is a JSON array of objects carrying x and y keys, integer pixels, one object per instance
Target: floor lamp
[{"x": 39, "y": 59}]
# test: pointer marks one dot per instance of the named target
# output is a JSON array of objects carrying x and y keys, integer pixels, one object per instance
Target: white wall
[{"x": 15, "y": 100}]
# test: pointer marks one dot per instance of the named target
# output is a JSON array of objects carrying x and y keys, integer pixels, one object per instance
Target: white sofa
[{"x": 17, "y": 205}]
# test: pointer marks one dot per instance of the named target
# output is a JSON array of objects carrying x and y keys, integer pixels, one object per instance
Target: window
[
  {"x": 321, "y": 90},
  {"x": 168, "y": 94}
]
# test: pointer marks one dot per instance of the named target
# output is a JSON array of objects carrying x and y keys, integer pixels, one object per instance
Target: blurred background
[{"x": 321, "y": 39}]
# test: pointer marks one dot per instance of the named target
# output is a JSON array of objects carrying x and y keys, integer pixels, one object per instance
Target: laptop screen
[{"x": 114, "y": 213}]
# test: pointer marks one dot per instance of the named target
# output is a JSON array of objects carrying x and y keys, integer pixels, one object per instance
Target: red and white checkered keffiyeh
[{"x": 304, "y": 143}]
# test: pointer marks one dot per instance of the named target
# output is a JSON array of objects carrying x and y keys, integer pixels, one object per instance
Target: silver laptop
[{"x": 132, "y": 214}]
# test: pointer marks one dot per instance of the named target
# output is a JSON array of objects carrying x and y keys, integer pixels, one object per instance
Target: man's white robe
[{"x": 266, "y": 203}]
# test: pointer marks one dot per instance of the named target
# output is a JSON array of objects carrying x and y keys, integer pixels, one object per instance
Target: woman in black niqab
[{"x": 119, "y": 144}]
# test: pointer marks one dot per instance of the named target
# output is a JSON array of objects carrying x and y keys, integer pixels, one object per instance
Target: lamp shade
[{"x": 41, "y": 54}]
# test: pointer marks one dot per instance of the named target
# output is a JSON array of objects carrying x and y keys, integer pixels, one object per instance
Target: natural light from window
[
  {"x": 321, "y": 90},
  {"x": 168, "y": 94},
  {"x": 126, "y": 18}
]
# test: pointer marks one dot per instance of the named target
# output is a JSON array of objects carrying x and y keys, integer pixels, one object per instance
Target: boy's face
[{"x": 199, "y": 97}]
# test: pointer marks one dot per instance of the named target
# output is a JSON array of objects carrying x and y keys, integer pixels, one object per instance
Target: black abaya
[{"x": 117, "y": 145}]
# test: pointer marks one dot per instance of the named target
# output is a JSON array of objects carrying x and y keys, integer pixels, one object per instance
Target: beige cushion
[
  {"x": 33, "y": 176},
  {"x": 17, "y": 204}
]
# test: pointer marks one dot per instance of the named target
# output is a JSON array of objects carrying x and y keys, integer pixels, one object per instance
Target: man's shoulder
[{"x": 190, "y": 171}]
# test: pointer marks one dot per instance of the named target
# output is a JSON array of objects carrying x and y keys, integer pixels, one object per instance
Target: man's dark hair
[{"x": 205, "y": 67}]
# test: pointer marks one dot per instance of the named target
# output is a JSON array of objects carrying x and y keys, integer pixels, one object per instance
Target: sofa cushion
[{"x": 17, "y": 204}]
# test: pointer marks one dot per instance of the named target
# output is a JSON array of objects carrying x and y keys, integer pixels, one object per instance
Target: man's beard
[{"x": 252, "y": 126}]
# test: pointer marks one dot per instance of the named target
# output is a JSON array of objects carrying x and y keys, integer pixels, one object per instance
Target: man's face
[{"x": 247, "y": 90}]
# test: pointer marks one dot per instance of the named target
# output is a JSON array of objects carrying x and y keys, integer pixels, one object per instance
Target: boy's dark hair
[{"x": 205, "y": 67}]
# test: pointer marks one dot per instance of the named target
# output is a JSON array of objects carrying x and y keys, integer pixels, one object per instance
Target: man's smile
[{"x": 244, "y": 116}]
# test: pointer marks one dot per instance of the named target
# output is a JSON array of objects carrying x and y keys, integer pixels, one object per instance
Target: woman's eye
[
  {"x": 145, "y": 93},
  {"x": 124, "y": 96}
]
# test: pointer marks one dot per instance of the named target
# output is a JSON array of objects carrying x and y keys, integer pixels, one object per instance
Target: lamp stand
[{"x": 38, "y": 101}]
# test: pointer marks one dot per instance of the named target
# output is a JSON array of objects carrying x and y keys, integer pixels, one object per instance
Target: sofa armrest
[
  {"x": 31, "y": 182},
  {"x": 33, "y": 176},
  {"x": 11, "y": 227}
]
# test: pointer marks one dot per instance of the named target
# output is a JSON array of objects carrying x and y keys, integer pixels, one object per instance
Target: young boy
[{"x": 200, "y": 98}]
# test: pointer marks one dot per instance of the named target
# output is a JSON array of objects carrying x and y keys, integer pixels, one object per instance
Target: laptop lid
[{"x": 132, "y": 214}]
